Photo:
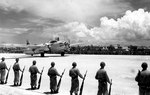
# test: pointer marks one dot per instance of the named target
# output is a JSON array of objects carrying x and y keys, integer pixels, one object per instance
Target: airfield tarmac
[{"x": 122, "y": 69}]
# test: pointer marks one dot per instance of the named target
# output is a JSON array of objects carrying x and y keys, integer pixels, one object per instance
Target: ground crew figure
[
  {"x": 52, "y": 73},
  {"x": 102, "y": 78},
  {"x": 74, "y": 73},
  {"x": 33, "y": 75},
  {"x": 143, "y": 79},
  {"x": 2, "y": 70},
  {"x": 16, "y": 68}
]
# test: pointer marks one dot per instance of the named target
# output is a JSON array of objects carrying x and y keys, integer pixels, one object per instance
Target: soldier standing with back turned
[
  {"x": 52, "y": 73},
  {"x": 102, "y": 78},
  {"x": 16, "y": 68},
  {"x": 74, "y": 73},
  {"x": 33, "y": 75},
  {"x": 143, "y": 79},
  {"x": 3, "y": 68}
]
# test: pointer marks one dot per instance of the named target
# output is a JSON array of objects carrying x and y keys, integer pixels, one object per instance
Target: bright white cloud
[{"x": 133, "y": 26}]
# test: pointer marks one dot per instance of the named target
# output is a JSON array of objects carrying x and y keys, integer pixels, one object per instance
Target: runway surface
[{"x": 121, "y": 69}]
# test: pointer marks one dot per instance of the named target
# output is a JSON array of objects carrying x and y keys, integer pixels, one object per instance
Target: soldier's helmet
[
  {"x": 144, "y": 65},
  {"x": 74, "y": 64},
  {"x": 3, "y": 58},
  {"x": 17, "y": 59},
  {"x": 102, "y": 64},
  {"x": 52, "y": 64},
  {"x": 34, "y": 62}
]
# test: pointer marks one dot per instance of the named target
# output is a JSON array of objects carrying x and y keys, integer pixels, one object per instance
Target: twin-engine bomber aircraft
[{"x": 54, "y": 46}]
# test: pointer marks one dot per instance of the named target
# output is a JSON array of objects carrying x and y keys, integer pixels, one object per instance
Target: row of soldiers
[{"x": 143, "y": 77}]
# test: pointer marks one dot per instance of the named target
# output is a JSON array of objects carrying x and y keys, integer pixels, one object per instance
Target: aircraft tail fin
[{"x": 27, "y": 42}]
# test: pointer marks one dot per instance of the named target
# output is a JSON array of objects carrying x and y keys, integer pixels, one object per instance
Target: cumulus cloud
[{"x": 134, "y": 26}]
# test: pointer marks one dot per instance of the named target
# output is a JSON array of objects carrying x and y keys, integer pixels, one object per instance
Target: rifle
[
  {"x": 21, "y": 78},
  {"x": 58, "y": 85},
  {"x": 7, "y": 75},
  {"x": 39, "y": 82},
  {"x": 110, "y": 88},
  {"x": 81, "y": 88}
]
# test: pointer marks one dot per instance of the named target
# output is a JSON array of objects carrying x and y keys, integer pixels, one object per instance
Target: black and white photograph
[{"x": 74, "y": 47}]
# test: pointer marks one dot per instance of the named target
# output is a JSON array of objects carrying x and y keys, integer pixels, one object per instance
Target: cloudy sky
[{"x": 85, "y": 21}]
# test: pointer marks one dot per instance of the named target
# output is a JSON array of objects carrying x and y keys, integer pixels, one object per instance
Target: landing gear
[
  {"x": 42, "y": 54},
  {"x": 62, "y": 53}
]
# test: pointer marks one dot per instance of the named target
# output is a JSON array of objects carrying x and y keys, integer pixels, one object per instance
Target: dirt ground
[{"x": 121, "y": 69}]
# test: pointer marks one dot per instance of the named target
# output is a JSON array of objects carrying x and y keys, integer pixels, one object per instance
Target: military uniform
[
  {"x": 33, "y": 71},
  {"x": 52, "y": 73},
  {"x": 16, "y": 69},
  {"x": 74, "y": 73},
  {"x": 102, "y": 78},
  {"x": 143, "y": 79},
  {"x": 3, "y": 68}
]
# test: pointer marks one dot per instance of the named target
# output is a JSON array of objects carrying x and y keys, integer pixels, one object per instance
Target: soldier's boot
[
  {"x": 71, "y": 93},
  {"x": 55, "y": 91},
  {"x": 32, "y": 87},
  {"x": 17, "y": 84},
  {"x": 52, "y": 91},
  {"x": 2, "y": 82}
]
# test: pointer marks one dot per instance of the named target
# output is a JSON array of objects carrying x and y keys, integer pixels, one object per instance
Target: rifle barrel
[
  {"x": 39, "y": 82},
  {"x": 21, "y": 78},
  {"x": 7, "y": 75},
  {"x": 110, "y": 88},
  {"x": 81, "y": 88},
  {"x": 58, "y": 85}
]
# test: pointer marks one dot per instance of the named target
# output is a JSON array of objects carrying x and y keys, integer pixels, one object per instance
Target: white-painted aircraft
[{"x": 54, "y": 46}]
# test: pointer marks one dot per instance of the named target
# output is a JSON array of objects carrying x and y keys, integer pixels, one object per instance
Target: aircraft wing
[{"x": 41, "y": 49}]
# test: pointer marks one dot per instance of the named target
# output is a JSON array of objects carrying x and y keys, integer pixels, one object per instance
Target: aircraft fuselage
[{"x": 57, "y": 47}]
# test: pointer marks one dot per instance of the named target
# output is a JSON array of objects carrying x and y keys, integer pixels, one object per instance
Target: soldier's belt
[
  {"x": 53, "y": 75},
  {"x": 16, "y": 70},
  {"x": 2, "y": 68},
  {"x": 74, "y": 77},
  {"x": 33, "y": 73},
  {"x": 145, "y": 87}
]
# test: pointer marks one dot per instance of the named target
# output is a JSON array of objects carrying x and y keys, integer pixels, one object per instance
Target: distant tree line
[
  {"x": 90, "y": 49},
  {"x": 111, "y": 50}
]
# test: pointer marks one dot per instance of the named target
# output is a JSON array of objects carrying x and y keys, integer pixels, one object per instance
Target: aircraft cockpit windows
[
  {"x": 61, "y": 44},
  {"x": 65, "y": 43}
]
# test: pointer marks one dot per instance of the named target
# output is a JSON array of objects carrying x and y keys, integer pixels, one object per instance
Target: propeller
[{"x": 67, "y": 44}]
